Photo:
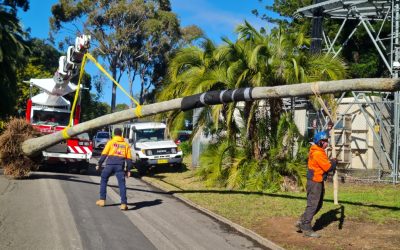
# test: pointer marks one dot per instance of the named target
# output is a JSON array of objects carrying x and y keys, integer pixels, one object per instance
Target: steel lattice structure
[{"x": 366, "y": 11}]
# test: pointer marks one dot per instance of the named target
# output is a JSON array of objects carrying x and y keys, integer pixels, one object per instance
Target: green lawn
[{"x": 376, "y": 203}]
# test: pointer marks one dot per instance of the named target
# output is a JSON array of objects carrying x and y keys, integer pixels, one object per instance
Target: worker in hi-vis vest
[{"x": 117, "y": 152}]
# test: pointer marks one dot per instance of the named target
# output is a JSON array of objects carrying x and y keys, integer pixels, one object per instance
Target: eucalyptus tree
[{"x": 131, "y": 35}]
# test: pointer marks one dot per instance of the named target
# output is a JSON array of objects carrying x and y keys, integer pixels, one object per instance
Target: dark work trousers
[
  {"x": 315, "y": 198},
  {"x": 120, "y": 174}
]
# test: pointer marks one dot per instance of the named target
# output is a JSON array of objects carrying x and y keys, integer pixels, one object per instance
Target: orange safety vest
[
  {"x": 116, "y": 151},
  {"x": 318, "y": 164}
]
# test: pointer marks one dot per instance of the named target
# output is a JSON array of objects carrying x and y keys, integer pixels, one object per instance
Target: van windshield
[
  {"x": 145, "y": 135},
  {"x": 103, "y": 135}
]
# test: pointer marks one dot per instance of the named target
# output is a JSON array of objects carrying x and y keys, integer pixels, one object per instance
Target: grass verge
[{"x": 377, "y": 203}]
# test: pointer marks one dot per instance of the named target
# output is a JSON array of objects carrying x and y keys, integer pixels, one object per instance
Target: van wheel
[{"x": 178, "y": 167}]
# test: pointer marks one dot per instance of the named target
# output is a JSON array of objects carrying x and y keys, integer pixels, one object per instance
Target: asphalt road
[{"x": 57, "y": 211}]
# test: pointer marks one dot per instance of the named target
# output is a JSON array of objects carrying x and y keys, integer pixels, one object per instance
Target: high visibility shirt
[
  {"x": 318, "y": 164},
  {"x": 117, "y": 152}
]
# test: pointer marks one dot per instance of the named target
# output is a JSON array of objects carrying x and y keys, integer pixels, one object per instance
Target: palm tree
[
  {"x": 279, "y": 59},
  {"x": 257, "y": 160},
  {"x": 195, "y": 70}
]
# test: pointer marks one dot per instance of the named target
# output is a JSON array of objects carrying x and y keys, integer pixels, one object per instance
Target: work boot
[
  {"x": 311, "y": 233},
  {"x": 298, "y": 226},
  {"x": 124, "y": 207},
  {"x": 101, "y": 203}
]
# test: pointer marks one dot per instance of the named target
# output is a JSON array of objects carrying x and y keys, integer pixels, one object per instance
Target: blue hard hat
[{"x": 320, "y": 136}]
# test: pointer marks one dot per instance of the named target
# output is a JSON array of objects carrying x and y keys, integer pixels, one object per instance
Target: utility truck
[
  {"x": 151, "y": 147},
  {"x": 49, "y": 111}
]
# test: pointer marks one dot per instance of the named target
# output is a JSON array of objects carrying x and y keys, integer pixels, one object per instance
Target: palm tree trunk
[
  {"x": 33, "y": 146},
  {"x": 275, "y": 105}
]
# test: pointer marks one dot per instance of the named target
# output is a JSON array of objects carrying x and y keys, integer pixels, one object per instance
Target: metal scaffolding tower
[{"x": 367, "y": 11}]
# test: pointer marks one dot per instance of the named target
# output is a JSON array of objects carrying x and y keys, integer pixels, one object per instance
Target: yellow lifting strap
[
  {"x": 138, "y": 107},
  {"x": 64, "y": 133}
]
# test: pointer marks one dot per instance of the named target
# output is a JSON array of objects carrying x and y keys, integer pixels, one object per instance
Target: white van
[{"x": 150, "y": 146}]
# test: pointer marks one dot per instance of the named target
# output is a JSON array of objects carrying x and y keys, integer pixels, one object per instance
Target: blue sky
[{"x": 217, "y": 18}]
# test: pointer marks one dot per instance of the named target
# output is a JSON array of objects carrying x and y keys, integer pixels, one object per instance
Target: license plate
[{"x": 162, "y": 161}]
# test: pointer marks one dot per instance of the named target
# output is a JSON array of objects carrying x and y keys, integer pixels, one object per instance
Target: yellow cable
[
  {"x": 138, "y": 107},
  {"x": 64, "y": 133}
]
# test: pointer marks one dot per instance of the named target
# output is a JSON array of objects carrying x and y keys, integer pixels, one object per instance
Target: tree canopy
[
  {"x": 134, "y": 37},
  {"x": 251, "y": 148},
  {"x": 359, "y": 52},
  {"x": 13, "y": 52}
]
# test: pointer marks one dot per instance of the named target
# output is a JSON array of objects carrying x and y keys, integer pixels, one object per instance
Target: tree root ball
[{"x": 15, "y": 163}]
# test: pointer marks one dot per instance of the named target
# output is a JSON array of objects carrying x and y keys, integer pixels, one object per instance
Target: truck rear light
[{"x": 83, "y": 143}]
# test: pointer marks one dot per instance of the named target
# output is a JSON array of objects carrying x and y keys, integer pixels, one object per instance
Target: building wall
[
  {"x": 366, "y": 150},
  {"x": 364, "y": 147}
]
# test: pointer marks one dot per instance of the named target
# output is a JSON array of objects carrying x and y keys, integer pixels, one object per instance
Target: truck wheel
[
  {"x": 83, "y": 171},
  {"x": 142, "y": 170},
  {"x": 83, "y": 168}
]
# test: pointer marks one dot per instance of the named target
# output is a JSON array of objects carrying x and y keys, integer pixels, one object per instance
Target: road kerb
[{"x": 261, "y": 240}]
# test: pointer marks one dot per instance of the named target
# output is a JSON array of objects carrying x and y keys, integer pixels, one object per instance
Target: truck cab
[
  {"x": 74, "y": 152},
  {"x": 151, "y": 147}
]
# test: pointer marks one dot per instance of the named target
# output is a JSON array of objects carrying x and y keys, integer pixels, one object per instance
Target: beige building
[{"x": 362, "y": 134}]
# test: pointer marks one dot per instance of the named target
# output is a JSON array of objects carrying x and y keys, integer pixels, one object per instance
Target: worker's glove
[
  {"x": 325, "y": 176},
  {"x": 98, "y": 168},
  {"x": 334, "y": 162},
  {"x": 128, "y": 174}
]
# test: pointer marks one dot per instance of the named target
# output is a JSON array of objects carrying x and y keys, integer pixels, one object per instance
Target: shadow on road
[
  {"x": 68, "y": 168},
  {"x": 73, "y": 178},
  {"x": 139, "y": 205}
]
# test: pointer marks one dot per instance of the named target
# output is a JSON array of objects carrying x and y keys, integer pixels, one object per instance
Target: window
[
  {"x": 103, "y": 135},
  {"x": 83, "y": 136},
  {"x": 54, "y": 118},
  {"x": 150, "y": 135}
]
